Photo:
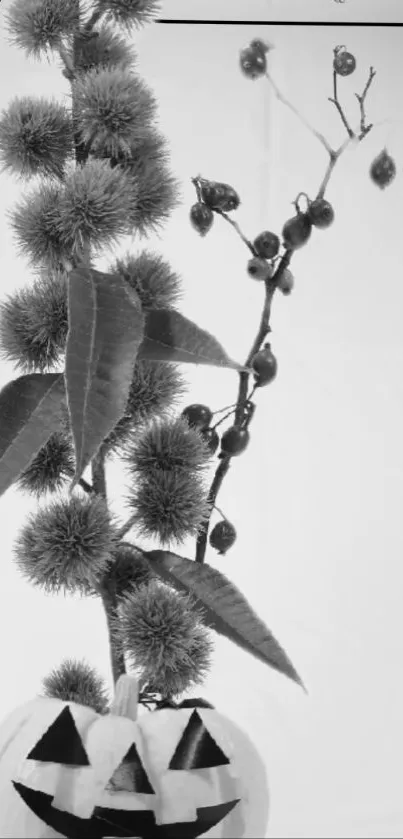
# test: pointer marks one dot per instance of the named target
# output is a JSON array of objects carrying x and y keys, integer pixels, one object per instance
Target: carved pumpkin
[{"x": 167, "y": 774}]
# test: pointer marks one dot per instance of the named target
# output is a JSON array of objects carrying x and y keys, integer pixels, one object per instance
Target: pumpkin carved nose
[{"x": 130, "y": 776}]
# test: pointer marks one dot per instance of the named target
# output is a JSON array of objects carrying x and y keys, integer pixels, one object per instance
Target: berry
[
  {"x": 234, "y": 440},
  {"x": 212, "y": 439},
  {"x": 253, "y": 61},
  {"x": 265, "y": 366},
  {"x": 321, "y": 213},
  {"x": 259, "y": 269},
  {"x": 383, "y": 169},
  {"x": 201, "y": 217},
  {"x": 266, "y": 245},
  {"x": 198, "y": 416},
  {"x": 297, "y": 231},
  {"x": 219, "y": 196},
  {"x": 257, "y": 44},
  {"x": 344, "y": 62},
  {"x": 285, "y": 281},
  {"x": 223, "y": 536}
]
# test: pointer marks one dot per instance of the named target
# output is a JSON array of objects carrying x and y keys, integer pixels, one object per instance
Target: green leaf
[
  {"x": 226, "y": 609},
  {"x": 169, "y": 336},
  {"x": 31, "y": 410},
  {"x": 105, "y": 330}
]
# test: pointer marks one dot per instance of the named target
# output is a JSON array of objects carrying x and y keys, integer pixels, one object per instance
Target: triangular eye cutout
[
  {"x": 196, "y": 748},
  {"x": 61, "y": 743},
  {"x": 130, "y": 776}
]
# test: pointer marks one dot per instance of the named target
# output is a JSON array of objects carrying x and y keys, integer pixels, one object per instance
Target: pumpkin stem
[{"x": 126, "y": 698}]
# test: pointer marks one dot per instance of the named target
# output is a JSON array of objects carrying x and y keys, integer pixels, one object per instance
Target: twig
[
  {"x": 271, "y": 285},
  {"x": 236, "y": 227},
  {"x": 361, "y": 100},
  {"x": 128, "y": 526},
  {"x": 225, "y": 461},
  {"x": 98, "y": 473},
  {"x": 226, "y": 408},
  {"x": 68, "y": 72},
  {"x": 232, "y": 411},
  {"x": 85, "y": 485},
  {"x": 219, "y": 476},
  {"x": 332, "y": 163},
  {"x": 335, "y": 101},
  {"x": 298, "y": 114},
  {"x": 92, "y": 21},
  {"x": 116, "y": 655}
]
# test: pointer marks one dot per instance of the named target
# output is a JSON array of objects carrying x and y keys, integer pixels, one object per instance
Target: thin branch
[
  {"x": 332, "y": 163},
  {"x": 225, "y": 460},
  {"x": 128, "y": 526},
  {"x": 364, "y": 129},
  {"x": 236, "y": 227},
  {"x": 92, "y": 21},
  {"x": 86, "y": 486},
  {"x": 232, "y": 411},
  {"x": 68, "y": 71},
  {"x": 358, "y": 134},
  {"x": 298, "y": 114},
  {"x": 271, "y": 285},
  {"x": 219, "y": 476},
  {"x": 226, "y": 408},
  {"x": 98, "y": 473},
  {"x": 116, "y": 655},
  {"x": 335, "y": 101}
]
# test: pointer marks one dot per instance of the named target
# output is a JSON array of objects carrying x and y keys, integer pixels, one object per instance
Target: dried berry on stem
[{"x": 296, "y": 232}]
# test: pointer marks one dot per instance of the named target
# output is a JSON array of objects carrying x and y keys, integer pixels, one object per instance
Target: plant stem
[
  {"x": 107, "y": 593},
  {"x": 85, "y": 485},
  {"x": 68, "y": 63},
  {"x": 116, "y": 655},
  {"x": 225, "y": 461},
  {"x": 332, "y": 163},
  {"x": 92, "y": 21},
  {"x": 335, "y": 101},
  {"x": 98, "y": 473},
  {"x": 361, "y": 100},
  {"x": 271, "y": 285},
  {"x": 129, "y": 524},
  {"x": 236, "y": 227},
  {"x": 298, "y": 114}
]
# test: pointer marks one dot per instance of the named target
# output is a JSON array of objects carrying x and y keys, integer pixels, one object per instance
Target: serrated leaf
[
  {"x": 170, "y": 336},
  {"x": 226, "y": 609},
  {"x": 105, "y": 330},
  {"x": 30, "y": 412}
]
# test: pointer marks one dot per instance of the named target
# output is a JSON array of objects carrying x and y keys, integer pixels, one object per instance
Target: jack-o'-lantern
[{"x": 165, "y": 774}]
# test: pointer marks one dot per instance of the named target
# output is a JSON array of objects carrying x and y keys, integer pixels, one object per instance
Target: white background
[{"x": 317, "y": 498}]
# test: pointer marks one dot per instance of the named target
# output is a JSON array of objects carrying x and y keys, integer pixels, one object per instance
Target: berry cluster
[
  {"x": 199, "y": 417},
  {"x": 383, "y": 169},
  {"x": 253, "y": 63},
  {"x": 269, "y": 265},
  {"x": 295, "y": 233},
  {"x": 233, "y": 442},
  {"x": 212, "y": 196}
]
